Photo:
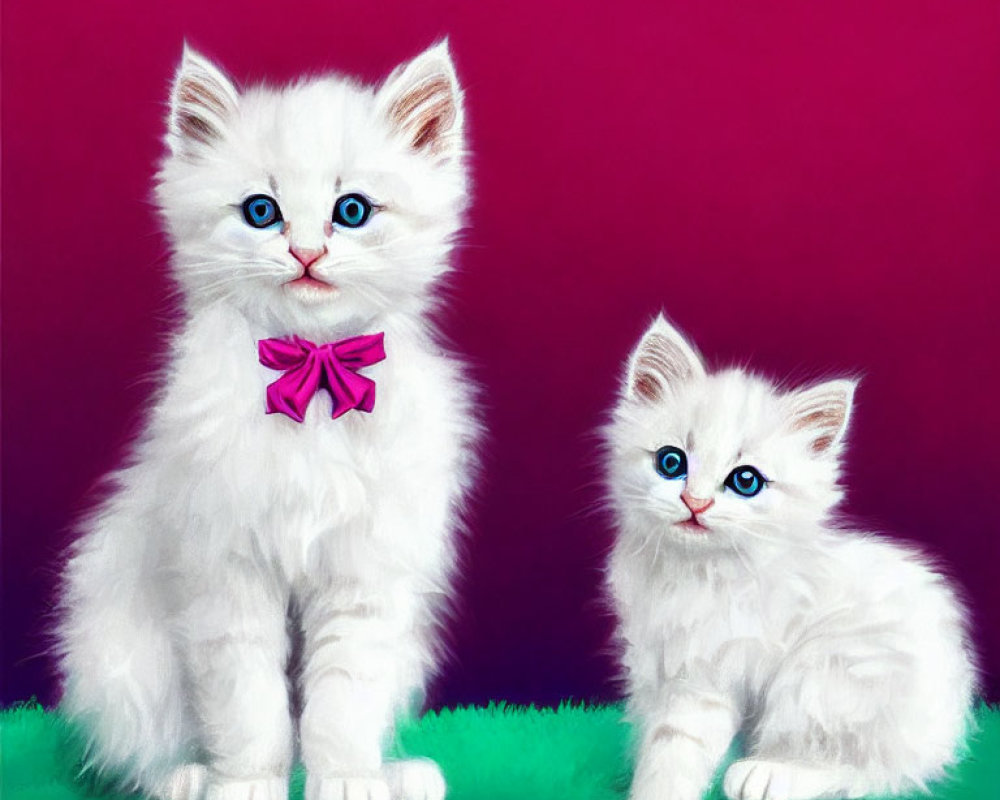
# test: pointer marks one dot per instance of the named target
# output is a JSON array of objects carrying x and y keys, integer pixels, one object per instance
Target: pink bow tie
[{"x": 330, "y": 366}]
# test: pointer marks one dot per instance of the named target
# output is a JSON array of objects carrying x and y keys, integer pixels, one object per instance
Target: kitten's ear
[
  {"x": 202, "y": 102},
  {"x": 663, "y": 359},
  {"x": 822, "y": 412},
  {"x": 423, "y": 102}
]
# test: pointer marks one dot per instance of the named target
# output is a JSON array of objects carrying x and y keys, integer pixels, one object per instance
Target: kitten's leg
[
  {"x": 236, "y": 652},
  {"x": 122, "y": 675},
  {"x": 415, "y": 779},
  {"x": 356, "y": 645},
  {"x": 183, "y": 783},
  {"x": 683, "y": 742}
]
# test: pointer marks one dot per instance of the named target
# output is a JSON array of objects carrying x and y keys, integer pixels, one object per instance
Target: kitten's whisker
[
  {"x": 656, "y": 552},
  {"x": 759, "y": 536},
  {"x": 645, "y": 542},
  {"x": 371, "y": 294},
  {"x": 212, "y": 287},
  {"x": 591, "y": 509}
]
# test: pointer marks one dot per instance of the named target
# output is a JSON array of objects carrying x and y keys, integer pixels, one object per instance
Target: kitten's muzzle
[
  {"x": 307, "y": 257},
  {"x": 696, "y": 505}
]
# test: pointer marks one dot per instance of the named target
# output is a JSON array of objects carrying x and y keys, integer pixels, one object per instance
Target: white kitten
[
  {"x": 323, "y": 210},
  {"x": 844, "y": 657}
]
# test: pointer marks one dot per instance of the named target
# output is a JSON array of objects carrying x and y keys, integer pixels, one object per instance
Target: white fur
[
  {"x": 231, "y": 531},
  {"x": 843, "y": 656}
]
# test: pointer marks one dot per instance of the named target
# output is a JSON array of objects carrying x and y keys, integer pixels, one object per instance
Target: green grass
[{"x": 494, "y": 753}]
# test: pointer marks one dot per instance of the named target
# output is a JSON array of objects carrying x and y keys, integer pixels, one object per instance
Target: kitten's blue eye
[
  {"x": 352, "y": 210},
  {"x": 671, "y": 462},
  {"x": 746, "y": 481},
  {"x": 261, "y": 211}
]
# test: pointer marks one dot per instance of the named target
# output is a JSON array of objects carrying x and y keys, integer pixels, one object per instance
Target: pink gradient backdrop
[{"x": 814, "y": 187}]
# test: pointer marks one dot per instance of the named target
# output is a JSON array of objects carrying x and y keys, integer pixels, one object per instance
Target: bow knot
[{"x": 309, "y": 367}]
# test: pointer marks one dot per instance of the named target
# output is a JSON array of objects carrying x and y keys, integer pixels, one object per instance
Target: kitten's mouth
[
  {"x": 693, "y": 525},
  {"x": 307, "y": 280}
]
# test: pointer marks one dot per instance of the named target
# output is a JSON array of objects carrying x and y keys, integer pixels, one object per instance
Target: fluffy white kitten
[
  {"x": 844, "y": 657},
  {"x": 322, "y": 210}
]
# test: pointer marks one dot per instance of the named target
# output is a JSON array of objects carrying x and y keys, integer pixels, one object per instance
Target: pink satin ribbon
[{"x": 309, "y": 367}]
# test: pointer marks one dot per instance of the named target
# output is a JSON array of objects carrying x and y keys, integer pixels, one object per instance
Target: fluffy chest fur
[
  {"x": 307, "y": 495},
  {"x": 706, "y": 621}
]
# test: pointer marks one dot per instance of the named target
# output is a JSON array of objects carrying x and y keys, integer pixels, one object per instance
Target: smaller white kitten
[{"x": 844, "y": 657}]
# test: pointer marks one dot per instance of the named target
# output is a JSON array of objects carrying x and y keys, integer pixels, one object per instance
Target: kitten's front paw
[
  {"x": 344, "y": 788},
  {"x": 186, "y": 782},
  {"x": 415, "y": 779},
  {"x": 752, "y": 779},
  {"x": 673, "y": 785},
  {"x": 253, "y": 789}
]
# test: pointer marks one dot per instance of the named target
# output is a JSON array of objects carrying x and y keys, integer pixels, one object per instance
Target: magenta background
[{"x": 811, "y": 186}]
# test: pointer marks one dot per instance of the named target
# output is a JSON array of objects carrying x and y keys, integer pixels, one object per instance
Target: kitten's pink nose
[
  {"x": 695, "y": 504},
  {"x": 307, "y": 256}
]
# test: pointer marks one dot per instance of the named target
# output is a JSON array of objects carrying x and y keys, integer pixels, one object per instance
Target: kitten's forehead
[
  {"x": 724, "y": 411},
  {"x": 315, "y": 127}
]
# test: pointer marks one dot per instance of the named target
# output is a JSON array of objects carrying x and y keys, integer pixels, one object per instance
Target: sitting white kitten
[
  {"x": 250, "y": 517},
  {"x": 844, "y": 657}
]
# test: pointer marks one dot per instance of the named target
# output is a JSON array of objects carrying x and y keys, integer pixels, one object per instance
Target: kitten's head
[
  {"x": 723, "y": 459},
  {"x": 321, "y": 203}
]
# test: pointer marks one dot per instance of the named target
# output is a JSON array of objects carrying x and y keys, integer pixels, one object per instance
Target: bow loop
[
  {"x": 358, "y": 349},
  {"x": 284, "y": 354},
  {"x": 331, "y": 366}
]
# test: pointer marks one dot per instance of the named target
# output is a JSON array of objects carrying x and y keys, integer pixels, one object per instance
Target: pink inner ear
[
  {"x": 647, "y": 387},
  {"x": 823, "y": 422},
  {"x": 195, "y": 92},
  {"x": 426, "y": 112},
  {"x": 201, "y": 106},
  {"x": 822, "y": 444},
  {"x": 194, "y": 127},
  {"x": 660, "y": 363}
]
